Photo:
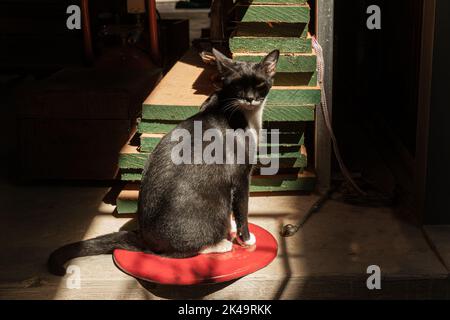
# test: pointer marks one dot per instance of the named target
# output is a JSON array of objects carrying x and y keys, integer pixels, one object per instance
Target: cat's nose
[{"x": 250, "y": 99}]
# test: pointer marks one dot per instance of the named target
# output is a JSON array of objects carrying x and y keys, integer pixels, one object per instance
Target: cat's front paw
[
  {"x": 251, "y": 241},
  {"x": 233, "y": 226}
]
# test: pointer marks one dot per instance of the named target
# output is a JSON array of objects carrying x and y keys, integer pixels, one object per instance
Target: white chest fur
[{"x": 254, "y": 120}]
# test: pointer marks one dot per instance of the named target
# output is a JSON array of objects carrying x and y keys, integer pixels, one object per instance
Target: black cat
[{"x": 185, "y": 209}]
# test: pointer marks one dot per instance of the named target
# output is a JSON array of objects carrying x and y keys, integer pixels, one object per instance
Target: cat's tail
[{"x": 128, "y": 240}]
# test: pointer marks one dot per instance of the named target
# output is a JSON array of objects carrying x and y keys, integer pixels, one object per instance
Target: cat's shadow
[{"x": 177, "y": 291}]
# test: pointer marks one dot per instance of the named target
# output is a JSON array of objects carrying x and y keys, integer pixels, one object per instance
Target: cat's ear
[
  {"x": 269, "y": 63},
  {"x": 224, "y": 64}
]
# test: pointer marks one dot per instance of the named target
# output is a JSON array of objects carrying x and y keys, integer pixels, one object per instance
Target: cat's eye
[{"x": 261, "y": 84}]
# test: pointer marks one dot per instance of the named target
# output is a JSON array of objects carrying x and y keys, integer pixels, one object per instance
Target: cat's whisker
[{"x": 231, "y": 106}]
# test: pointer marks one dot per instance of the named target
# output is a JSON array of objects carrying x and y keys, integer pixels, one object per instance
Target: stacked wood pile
[{"x": 264, "y": 25}]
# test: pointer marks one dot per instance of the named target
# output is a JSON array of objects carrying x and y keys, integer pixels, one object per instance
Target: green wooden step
[
  {"x": 130, "y": 176},
  {"x": 156, "y": 126},
  {"x": 304, "y": 182},
  {"x": 293, "y": 79},
  {"x": 149, "y": 142},
  {"x": 285, "y": 103},
  {"x": 270, "y": 13},
  {"x": 266, "y": 44},
  {"x": 262, "y": 37},
  {"x": 303, "y": 62},
  {"x": 159, "y": 126},
  {"x": 291, "y": 97},
  {"x": 133, "y": 160},
  {"x": 126, "y": 206},
  {"x": 282, "y": 112},
  {"x": 273, "y": 1},
  {"x": 271, "y": 29},
  {"x": 168, "y": 112},
  {"x": 250, "y": 37},
  {"x": 136, "y": 160},
  {"x": 127, "y": 200},
  {"x": 133, "y": 175}
]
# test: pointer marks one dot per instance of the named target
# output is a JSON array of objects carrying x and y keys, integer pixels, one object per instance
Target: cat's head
[{"x": 245, "y": 85}]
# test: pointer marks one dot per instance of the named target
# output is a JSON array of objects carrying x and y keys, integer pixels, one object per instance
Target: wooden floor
[{"x": 328, "y": 259}]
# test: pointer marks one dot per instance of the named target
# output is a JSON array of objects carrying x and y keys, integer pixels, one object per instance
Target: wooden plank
[
  {"x": 288, "y": 158},
  {"x": 149, "y": 144},
  {"x": 323, "y": 150},
  {"x": 278, "y": 13},
  {"x": 291, "y": 79},
  {"x": 295, "y": 62},
  {"x": 425, "y": 90},
  {"x": 281, "y": 111},
  {"x": 127, "y": 199},
  {"x": 135, "y": 160},
  {"x": 280, "y": 29},
  {"x": 285, "y": 127},
  {"x": 283, "y": 183},
  {"x": 280, "y": 96},
  {"x": 192, "y": 80},
  {"x": 189, "y": 82},
  {"x": 277, "y": 2},
  {"x": 168, "y": 112},
  {"x": 265, "y": 37},
  {"x": 284, "y": 138},
  {"x": 150, "y": 141},
  {"x": 292, "y": 96},
  {"x": 289, "y": 113},
  {"x": 131, "y": 158},
  {"x": 130, "y": 176},
  {"x": 266, "y": 44},
  {"x": 158, "y": 127}
]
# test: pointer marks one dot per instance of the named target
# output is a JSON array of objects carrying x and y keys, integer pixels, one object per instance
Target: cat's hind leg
[{"x": 221, "y": 247}]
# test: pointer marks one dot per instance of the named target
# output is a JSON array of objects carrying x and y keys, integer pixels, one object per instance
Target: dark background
[
  {"x": 376, "y": 87},
  {"x": 376, "y": 90}
]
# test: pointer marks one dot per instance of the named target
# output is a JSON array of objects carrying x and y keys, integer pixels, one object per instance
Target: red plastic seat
[{"x": 204, "y": 268}]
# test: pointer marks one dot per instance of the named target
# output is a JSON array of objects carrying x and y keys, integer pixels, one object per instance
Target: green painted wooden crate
[
  {"x": 286, "y": 79},
  {"x": 270, "y": 13},
  {"x": 304, "y": 183},
  {"x": 163, "y": 127},
  {"x": 265, "y": 37},
  {"x": 273, "y": 1},
  {"x": 287, "y": 160},
  {"x": 271, "y": 113},
  {"x": 286, "y": 62},
  {"x": 267, "y": 44},
  {"x": 148, "y": 144}
]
